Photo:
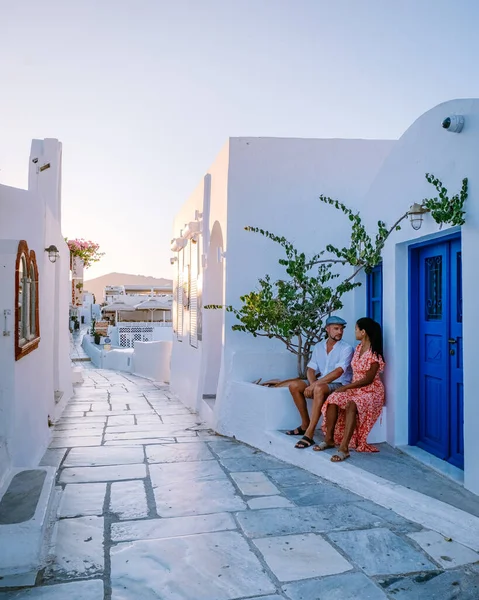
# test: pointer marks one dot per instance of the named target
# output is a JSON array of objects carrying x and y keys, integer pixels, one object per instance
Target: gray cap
[{"x": 335, "y": 321}]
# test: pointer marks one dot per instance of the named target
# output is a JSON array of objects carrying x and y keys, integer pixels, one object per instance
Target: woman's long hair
[{"x": 374, "y": 333}]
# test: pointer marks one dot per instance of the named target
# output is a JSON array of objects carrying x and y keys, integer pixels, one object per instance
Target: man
[{"x": 328, "y": 369}]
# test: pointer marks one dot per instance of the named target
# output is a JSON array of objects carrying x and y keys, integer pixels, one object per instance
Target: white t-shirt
[{"x": 340, "y": 356}]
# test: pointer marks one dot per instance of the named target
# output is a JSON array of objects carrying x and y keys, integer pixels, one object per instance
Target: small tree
[{"x": 293, "y": 309}]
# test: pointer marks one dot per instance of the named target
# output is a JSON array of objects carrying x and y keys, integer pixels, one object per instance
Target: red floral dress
[{"x": 369, "y": 401}]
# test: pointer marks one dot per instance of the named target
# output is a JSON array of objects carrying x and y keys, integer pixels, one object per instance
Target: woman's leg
[
  {"x": 350, "y": 426},
  {"x": 331, "y": 419}
]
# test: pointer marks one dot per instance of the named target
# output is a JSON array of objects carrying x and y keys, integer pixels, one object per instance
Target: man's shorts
[
  {"x": 334, "y": 386},
  {"x": 331, "y": 386}
]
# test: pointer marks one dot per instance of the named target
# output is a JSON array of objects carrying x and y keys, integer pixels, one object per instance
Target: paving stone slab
[
  {"x": 210, "y": 566},
  {"x": 197, "y": 498},
  {"x": 231, "y": 449},
  {"x": 77, "y": 429},
  {"x": 139, "y": 435},
  {"x": 278, "y": 521},
  {"x": 293, "y": 557},
  {"x": 91, "y": 457},
  {"x": 128, "y": 499},
  {"x": 171, "y": 527},
  {"x": 70, "y": 442},
  {"x": 254, "y": 463},
  {"x": 347, "y": 586},
  {"x": 180, "y": 419},
  {"x": 78, "y": 548},
  {"x": 448, "y": 554},
  {"x": 381, "y": 552},
  {"x": 80, "y": 420},
  {"x": 178, "y": 453},
  {"x": 269, "y": 502},
  {"x": 254, "y": 484},
  {"x": 197, "y": 439},
  {"x": 53, "y": 457},
  {"x": 141, "y": 442},
  {"x": 400, "y": 523},
  {"x": 123, "y": 420},
  {"x": 82, "y": 499},
  {"x": 162, "y": 474},
  {"x": 77, "y": 590},
  {"x": 319, "y": 493},
  {"x": 293, "y": 477},
  {"x": 462, "y": 584},
  {"x": 110, "y": 473},
  {"x": 147, "y": 429}
]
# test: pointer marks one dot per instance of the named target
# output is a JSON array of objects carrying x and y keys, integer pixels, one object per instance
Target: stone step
[{"x": 27, "y": 505}]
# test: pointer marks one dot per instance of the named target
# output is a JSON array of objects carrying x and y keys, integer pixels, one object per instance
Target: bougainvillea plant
[
  {"x": 293, "y": 309},
  {"x": 86, "y": 250}
]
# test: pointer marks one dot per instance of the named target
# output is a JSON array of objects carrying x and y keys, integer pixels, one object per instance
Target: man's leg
[
  {"x": 297, "y": 388},
  {"x": 321, "y": 392}
]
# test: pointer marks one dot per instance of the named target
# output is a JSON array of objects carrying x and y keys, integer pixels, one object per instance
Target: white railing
[
  {"x": 129, "y": 334},
  {"x": 145, "y": 324}
]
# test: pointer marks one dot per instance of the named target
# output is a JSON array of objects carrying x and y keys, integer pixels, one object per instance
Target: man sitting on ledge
[{"x": 328, "y": 369}]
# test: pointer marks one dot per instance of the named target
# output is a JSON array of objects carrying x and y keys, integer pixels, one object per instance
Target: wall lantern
[
  {"x": 191, "y": 230},
  {"x": 416, "y": 213},
  {"x": 53, "y": 253},
  {"x": 178, "y": 244}
]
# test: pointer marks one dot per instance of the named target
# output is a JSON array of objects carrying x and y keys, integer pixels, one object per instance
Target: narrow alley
[{"x": 153, "y": 505}]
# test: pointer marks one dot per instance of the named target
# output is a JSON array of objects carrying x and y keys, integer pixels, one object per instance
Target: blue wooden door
[{"x": 439, "y": 410}]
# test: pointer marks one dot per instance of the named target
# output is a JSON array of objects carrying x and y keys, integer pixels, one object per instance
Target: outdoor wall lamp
[
  {"x": 53, "y": 253},
  {"x": 416, "y": 213},
  {"x": 178, "y": 244},
  {"x": 191, "y": 230}
]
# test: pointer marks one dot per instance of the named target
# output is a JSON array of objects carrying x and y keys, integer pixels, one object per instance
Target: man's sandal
[
  {"x": 297, "y": 431},
  {"x": 323, "y": 446},
  {"x": 340, "y": 456},
  {"x": 304, "y": 442}
]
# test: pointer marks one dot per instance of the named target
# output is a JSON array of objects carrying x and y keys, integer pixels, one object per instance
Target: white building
[
  {"x": 426, "y": 285},
  {"x": 35, "y": 368}
]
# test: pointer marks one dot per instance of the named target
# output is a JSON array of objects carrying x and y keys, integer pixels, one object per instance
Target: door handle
[{"x": 452, "y": 341}]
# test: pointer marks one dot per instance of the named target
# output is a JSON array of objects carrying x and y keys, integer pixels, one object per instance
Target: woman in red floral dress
[{"x": 351, "y": 411}]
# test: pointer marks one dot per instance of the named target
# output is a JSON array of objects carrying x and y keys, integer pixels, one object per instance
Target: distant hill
[{"x": 97, "y": 285}]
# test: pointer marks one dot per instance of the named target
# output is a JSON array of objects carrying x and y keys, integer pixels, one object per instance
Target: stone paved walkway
[{"x": 154, "y": 506}]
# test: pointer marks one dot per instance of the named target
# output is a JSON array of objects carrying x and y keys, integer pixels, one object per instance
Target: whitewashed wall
[
  {"x": 27, "y": 386},
  {"x": 275, "y": 184},
  {"x": 188, "y": 364},
  {"x": 426, "y": 147},
  {"x": 272, "y": 183}
]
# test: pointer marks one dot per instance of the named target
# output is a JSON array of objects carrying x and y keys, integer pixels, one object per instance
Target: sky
[{"x": 144, "y": 93}]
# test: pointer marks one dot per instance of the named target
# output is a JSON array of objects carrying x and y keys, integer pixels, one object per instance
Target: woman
[{"x": 351, "y": 411}]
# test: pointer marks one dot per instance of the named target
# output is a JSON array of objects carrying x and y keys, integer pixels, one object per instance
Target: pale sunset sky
[{"x": 144, "y": 93}]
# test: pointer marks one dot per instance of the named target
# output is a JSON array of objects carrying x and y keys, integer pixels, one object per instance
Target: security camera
[
  {"x": 34, "y": 160},
  {"x": 173, "y": 259},
  {"x": 453, "y": 124}
]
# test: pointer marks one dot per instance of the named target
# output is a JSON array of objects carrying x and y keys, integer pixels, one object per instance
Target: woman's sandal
[
  {"x": 297, "y": 431},
  {"x": 323, "y": 446},
  {"x": 340, "y": 456},
  {"x": 304, "y": 442}
]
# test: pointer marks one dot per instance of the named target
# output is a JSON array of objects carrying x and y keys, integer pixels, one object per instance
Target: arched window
[{"x": 27, "y": 332}]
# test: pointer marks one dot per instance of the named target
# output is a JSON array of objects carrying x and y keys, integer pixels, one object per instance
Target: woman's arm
[{"x": 366, "y": 380}]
